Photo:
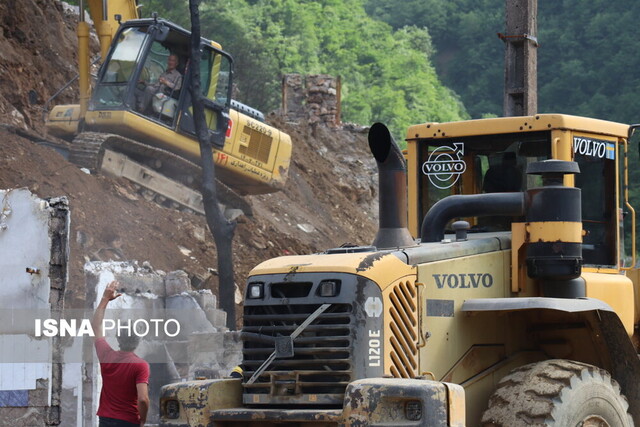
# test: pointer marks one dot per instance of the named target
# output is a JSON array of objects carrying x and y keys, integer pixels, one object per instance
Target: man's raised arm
[{"x": 110, "y": 293}]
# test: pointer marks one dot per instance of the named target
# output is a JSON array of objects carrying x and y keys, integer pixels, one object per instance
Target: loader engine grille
[
  {"x": 321, "y": 367},
  {"x": 403, "y": 324}
]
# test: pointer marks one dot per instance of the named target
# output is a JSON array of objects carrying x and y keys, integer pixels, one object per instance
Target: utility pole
[{"x": 520, "y": 58}]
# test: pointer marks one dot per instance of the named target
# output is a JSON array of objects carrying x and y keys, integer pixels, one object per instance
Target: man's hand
[{"x": 111, "y": 291}]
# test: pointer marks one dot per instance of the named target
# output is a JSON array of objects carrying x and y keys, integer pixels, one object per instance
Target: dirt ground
[{"x": 330, "y": 197}]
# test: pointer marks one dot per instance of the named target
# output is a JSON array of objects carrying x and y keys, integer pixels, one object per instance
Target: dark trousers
[
  {"x": 145, "y": 97},
  {"x": 112, "y": 422}
]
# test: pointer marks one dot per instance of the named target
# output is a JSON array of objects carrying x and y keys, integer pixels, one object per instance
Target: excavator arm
[{"x": 103, "y": 13}]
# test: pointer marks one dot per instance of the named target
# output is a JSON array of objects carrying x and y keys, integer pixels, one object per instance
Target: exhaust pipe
[
  {"x": 492, "y": 204},
  {"x": 392, "y": 190}
]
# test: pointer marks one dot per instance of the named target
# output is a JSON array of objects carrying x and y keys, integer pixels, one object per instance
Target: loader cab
[
  {"x": 491, "y": 155},
  {"x": 138, "y": 57}
]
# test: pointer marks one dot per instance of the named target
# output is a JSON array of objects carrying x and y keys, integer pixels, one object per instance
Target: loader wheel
[{"x": 558, "y": 393}]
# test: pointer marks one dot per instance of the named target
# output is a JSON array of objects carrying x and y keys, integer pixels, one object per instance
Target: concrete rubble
[{"x": 55, "y": 380}]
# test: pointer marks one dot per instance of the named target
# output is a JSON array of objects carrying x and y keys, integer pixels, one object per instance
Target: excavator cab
[
  {"x": 137, "y": 127},
  {"x": 138, "y": 58}
]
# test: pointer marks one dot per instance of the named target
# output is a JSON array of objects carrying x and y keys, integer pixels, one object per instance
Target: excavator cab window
[
  {"x": 479, "y": 164},
  {"x": 161, "y": 101},
  {"x": 112, "y": 88},
  {"x": 215, "y": 85}
]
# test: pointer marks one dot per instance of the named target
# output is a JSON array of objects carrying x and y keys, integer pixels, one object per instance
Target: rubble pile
[
  {"x": 195, "y": 344},
  {"x": 329, "y": 198},
  {"x": 312, "y": 98}
]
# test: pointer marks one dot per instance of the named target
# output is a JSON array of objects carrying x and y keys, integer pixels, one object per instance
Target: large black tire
[{"x": 558, "y": 393}]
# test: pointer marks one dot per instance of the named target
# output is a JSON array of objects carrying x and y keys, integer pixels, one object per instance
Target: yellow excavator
[
  {"x": 153, "y": 143},
  {"x": 501, "y": 290}
]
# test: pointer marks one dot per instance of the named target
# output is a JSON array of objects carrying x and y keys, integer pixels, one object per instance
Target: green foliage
[
  {"x": 587, "y": 58},
  {"x": 469, "y": 54},
  {"x": 386, "y": 75}
]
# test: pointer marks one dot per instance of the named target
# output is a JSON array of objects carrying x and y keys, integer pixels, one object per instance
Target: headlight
[
  {"x": 413, "y": 410},
  {"x": 255, "y": 290},
  {"x": 172, "y": 409},
  {"x": 329, "y": 288}
]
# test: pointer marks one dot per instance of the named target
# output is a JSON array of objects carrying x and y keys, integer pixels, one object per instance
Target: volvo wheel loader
[
  {"x": 155, "y": 145},
  {"x": 500, "y": 290}
]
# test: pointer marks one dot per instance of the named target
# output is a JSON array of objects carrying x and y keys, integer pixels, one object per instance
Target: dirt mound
[
  {"x": 38, "y": 56},
  {"x": 328, "y": 200}
]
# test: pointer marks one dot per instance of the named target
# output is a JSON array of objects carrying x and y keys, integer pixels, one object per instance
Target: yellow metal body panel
[
  {"x": 453, "y": 282},
  {"x": 103, "y": 15},
  {"x": 634, "y": 276},
  {"x": 383, "y": 268},
  {"x": 63, "y": 120},
  {"x": 198, "y": 397},
  {"x": 553, "y": 231},
  {"x": 457, "y": 412},
  {"x": 125, "y": 8},
  {"x": 518, "y": 271},
  {"x": 240, "y": 171},
  {"x": 617, "y": 291},
  {"x": 499, "y": 125}
]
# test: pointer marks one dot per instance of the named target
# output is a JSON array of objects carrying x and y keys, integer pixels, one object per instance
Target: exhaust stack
[{"x": 392, "y": 190}]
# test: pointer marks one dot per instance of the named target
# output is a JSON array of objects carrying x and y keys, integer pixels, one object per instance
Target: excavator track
[{"x": 88, "y": 151}]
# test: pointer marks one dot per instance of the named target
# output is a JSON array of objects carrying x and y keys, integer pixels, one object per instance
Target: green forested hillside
[
  {"x": 587, "y": 60},
  {"x": 387, "y": 74}
]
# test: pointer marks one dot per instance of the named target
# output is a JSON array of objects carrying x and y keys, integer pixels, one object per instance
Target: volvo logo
[
  {"x": 463, "y": 280},
  {"x": 445, "y": 165},
  {"x": 373, "y": 307}
]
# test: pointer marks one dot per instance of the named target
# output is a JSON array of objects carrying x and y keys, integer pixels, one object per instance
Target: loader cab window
[
  {"x": 479, "y": 164},
  {"x": 112, "y": 88},
  {"x": 597, "y": 180}
]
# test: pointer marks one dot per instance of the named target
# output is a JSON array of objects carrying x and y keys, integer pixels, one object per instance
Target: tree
[{"x": 221, "y": 228}]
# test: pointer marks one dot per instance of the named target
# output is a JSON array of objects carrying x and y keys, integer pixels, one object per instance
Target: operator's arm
[
  {"x": 110, "y": 293},
  {"x": 143, "y": 402},
  {"x": 172, "y": 80}
]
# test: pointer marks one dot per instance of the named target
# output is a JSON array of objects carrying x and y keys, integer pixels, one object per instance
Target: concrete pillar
[{"x": 521, "y": 60}]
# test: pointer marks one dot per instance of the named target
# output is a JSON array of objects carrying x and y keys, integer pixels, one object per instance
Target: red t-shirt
[{"x": 121, "y": 371}]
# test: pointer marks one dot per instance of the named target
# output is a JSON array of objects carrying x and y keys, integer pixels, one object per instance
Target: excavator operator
[{"x": 169, "y": 81}]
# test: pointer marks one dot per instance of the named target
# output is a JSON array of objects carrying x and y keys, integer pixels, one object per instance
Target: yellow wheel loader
[
  {"x": 497, "y": 292},
  {"x": 131, "y": 124}
]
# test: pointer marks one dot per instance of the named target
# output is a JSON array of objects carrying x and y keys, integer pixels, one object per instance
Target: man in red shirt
[{"x": 124, "y": 399}]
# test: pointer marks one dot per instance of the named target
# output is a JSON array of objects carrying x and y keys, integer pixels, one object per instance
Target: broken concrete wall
[
  {"x": 314, "y": 98},
  {"x": 204, "y": 347},
  {"x": 34, "y": 235}
]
